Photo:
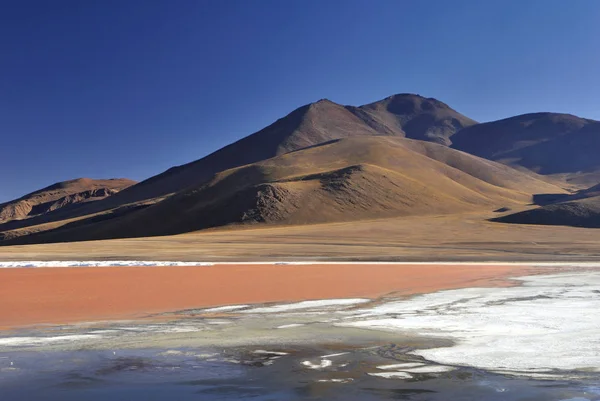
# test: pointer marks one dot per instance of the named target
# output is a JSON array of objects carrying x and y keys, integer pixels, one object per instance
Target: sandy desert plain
[{"x": 423, "y": 308}]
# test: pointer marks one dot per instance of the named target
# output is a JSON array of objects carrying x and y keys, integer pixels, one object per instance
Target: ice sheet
[
  {"x": 549, "y": 323},
  {"x": 392, "y": 375},
  {"x": 21, "y": 341}
]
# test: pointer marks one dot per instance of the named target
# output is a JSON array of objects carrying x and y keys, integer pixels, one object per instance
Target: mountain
[
  {"x": 325, "y": 162},
  {"x": 413, "y": 116},
  {"x": 306, "y": 126},
  {"x": 400, "y": 115},
  {"x": 341, "y": 180},
  {"x": 546, "y": 143},
  {"x": 61, "y": 195}
]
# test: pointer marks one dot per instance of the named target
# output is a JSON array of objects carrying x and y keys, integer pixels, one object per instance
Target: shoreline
[
  {"x": 38, "y": 264},
  {"x": 465, "y": 340},
  {"x": 65, "y": 295}
]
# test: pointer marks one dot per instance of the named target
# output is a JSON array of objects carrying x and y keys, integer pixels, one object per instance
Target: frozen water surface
[{"x": 547, "y": 324}]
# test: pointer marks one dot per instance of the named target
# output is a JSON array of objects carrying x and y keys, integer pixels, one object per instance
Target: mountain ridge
[
  {"x": 426, "y": 131},
  {"x": 341, "y": 180},
  {"x": 546, "y": 143},
  {"x": 59, "y": 195}
]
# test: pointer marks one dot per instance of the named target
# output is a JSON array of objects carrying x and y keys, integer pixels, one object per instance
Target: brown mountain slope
[
  {"x": 61, "y": 195},
  {"x": 414, "y": 117},
  {"x": 308, "y": 125},
  {"x": 400, "y": 115},
  {"x": 343, "y": 180},
  {"x": 547, "y": 143}
]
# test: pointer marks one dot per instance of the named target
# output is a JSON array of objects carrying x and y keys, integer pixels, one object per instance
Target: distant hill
[
  {"x": 340, "y": 180},
  {"x": 578, "y": 213},
  {"x": 61, "y": 195},
  {"x": 546, "y": 143},
  {"x": 581, "y": 209}
]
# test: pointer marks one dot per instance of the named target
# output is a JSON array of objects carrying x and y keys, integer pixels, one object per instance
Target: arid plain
[{"x": 464, "y": 237}]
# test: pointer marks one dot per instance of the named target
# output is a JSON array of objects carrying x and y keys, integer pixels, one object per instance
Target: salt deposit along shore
[
  {"x": 514, "y": 333},
  {"x": 541, "y": 328},
  {"x": 511, "y": 319}
]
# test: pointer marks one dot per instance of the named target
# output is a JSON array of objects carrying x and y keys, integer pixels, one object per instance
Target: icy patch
[
  {"x": 399, "y": 366},
  {"x": 325, "y": 363},
  {"x": 107, "y": 331},
  {"x": 334, "y": 355},
  {"x": 98, "y": 263},
  {"x": 172, "y": 352},
  {"x": 348, "y": 380},
  {"x": 318, "y": 304},
  {"x": 179, "y": 329},
  {"x": 228, "y": 308},
  {"x": 546, "y": 324},
  {"x": 265, "y": 352},
  {"x": 410, "y": 367},
  {"x": 161, "y": 328},
  {"x": 20, "y": 341},
  {"x": 392, "y": 375},
  {"x": 289, "y": 326},
  {"x": 207, "y": 355}
]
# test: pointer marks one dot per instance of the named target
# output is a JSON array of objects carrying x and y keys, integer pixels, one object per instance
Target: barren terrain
[{"x": 461, "y": 237}]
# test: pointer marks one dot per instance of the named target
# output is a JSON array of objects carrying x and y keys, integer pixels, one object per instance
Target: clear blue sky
[{"x": 126, "y": 88}]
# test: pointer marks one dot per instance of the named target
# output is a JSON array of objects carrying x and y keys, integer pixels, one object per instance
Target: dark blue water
[{"x": 191, "y": 374}]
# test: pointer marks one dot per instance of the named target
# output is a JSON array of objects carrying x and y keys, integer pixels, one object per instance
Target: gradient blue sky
[{"x": 126, "y": 88}]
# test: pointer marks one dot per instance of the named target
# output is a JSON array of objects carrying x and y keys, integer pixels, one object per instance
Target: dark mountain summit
[
  {"x": 547, "y": 143},
  {"x": 414, "y": 117}
]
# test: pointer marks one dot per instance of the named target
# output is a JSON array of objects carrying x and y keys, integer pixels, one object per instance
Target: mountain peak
[
  {"x": 414, "y": 116},
  {"x": 323, "y": 103},
  {"x": 406, "y": 95},
  {"x": 416, "y": 101}
]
